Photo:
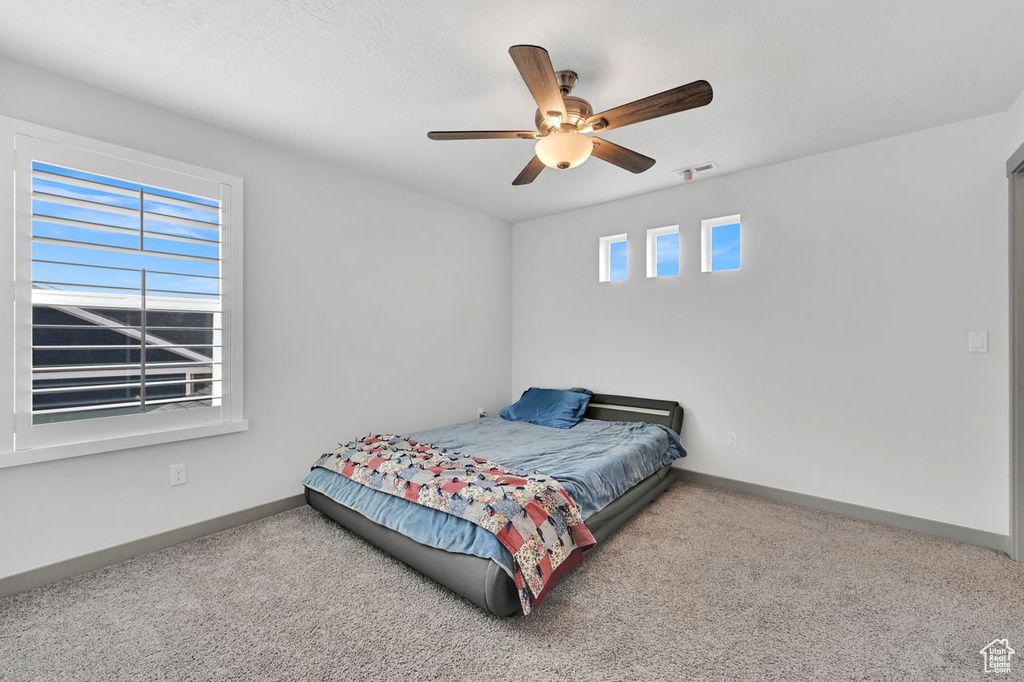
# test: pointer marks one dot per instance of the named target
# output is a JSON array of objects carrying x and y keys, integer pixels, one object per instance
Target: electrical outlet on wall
[
  {"x": 179, "y": 474},
  {"x": 732, "y": 440},
  {"x": 481, "y": 413}
]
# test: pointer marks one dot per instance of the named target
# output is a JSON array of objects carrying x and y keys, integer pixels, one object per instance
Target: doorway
[{"x": 1015, "y": 172}]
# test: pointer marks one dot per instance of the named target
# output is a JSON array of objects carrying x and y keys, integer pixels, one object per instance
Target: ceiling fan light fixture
[{"x": 564, "y": 149}]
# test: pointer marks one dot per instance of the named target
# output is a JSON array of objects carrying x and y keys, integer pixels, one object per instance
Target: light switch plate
[{"x": 978, "y": 342}]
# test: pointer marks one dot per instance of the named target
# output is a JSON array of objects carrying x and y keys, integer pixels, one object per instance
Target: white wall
[
  {"x": 838, "y": 353},
  {"x": 1015, "y": 116},
  {"x": 368, "y": 307}
]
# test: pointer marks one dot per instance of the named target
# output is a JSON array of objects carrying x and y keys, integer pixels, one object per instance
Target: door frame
[{"x": 1015, "y": 175}]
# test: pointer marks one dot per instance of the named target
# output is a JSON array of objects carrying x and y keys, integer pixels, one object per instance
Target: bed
[{"x": 462, "y": 557}]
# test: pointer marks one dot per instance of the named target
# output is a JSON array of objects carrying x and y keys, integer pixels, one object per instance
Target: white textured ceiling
[{"x": 363, "y": 82}]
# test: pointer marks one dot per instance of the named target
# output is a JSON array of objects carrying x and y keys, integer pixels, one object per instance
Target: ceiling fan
[{"x": 563, "y": 121}]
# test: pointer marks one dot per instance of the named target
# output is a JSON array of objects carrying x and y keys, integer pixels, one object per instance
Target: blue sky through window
[
  {"x": 161, "y": 240},
  {"x": 617, "y": 261},
  {"x": 123, "y": 184},
  {"x": 725, "y": 247},
  {"x": 667, "y": 254}
]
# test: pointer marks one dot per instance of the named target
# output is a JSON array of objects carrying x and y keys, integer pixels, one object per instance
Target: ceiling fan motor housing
[{"x": 577, "y": 112}]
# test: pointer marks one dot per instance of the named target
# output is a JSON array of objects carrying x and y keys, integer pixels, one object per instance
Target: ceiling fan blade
[
  {"x": 632, "y": 161},
  {"x": 689, "y": 96},
  {"x": 530, "y": 173},
  {"x": 534, "y": 66},
  {"x": 481, "y": 134}
]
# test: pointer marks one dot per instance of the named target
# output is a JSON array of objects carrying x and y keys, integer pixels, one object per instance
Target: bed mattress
[
  {"x": 596, "y": 461},
  {"x": 610, "y": 468},
  {"x": 482, "y": 581}
]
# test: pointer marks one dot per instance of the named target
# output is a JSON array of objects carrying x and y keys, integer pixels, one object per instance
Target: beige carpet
[{"x": 702, "y": 585}]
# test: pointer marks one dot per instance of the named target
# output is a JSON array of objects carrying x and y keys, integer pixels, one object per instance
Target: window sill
[{"x": 55, "y": 452}]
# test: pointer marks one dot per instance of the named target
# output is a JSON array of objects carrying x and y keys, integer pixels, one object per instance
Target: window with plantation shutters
[{"x": 123, "y": 315}]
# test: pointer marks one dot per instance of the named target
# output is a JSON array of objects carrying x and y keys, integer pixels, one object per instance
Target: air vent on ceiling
[{"x": 697, "y": 170}]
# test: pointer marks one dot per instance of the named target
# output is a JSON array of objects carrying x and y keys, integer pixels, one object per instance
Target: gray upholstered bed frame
[{"x": 482, "y": 581}]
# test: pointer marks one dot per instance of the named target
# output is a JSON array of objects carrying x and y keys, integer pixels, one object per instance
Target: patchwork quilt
[{"x": 532, "y": 515}]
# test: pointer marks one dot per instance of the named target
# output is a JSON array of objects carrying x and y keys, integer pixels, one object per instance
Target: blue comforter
[{"x": 596, "y": 461}]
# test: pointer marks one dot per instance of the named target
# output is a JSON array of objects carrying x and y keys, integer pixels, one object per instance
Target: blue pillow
[{"x": 548, "y": 407}]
